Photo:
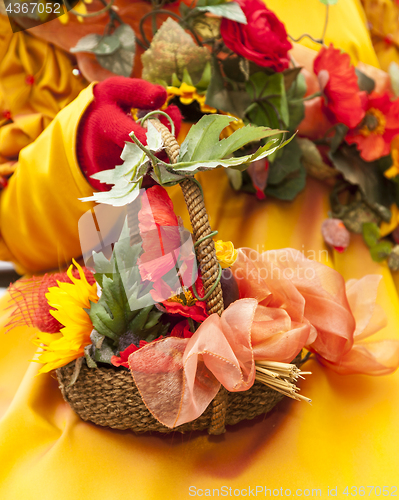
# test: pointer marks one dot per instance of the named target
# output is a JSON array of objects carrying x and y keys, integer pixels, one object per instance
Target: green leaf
[
  {"x": 393, "y": 71},
  {"x": 296, "y": 107},
  {"x": 205, "y": 79},
  {"x": 340, "y": 132},
  {"x": 202, "y": 142},
  {"x": 217, "y": 95},
  {"x": 290, "y": 76},
  {"x": 381, "y": 250},
  {"x": 86, "y": 44},
  {"x": 154, "y": 139},
  {"x": 230, "y": 10},
  {"x": 365, "y": 82},
  {"x": 371, "y": 234},
  {"x": 121, "y": 60},
  {"x": 329, "y": 2},
  {"x": 374, "y": 186},
  {"x": 190, "y": 168},
  {"x": 268, "y": 94},
  {"x": 287, "y": 164},
  {"x": 290, "y": 187}
]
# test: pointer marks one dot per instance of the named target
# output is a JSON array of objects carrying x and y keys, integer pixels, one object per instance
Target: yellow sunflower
[{"x": 70, "y": 301}]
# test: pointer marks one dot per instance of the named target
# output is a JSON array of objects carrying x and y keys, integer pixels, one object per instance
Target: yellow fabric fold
[{"x": 40, "y": 209}]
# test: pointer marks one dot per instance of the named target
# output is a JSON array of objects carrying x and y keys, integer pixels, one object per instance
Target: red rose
[
  {"x": 338, "y": 82},
  {"x": 263, "y": 40}
]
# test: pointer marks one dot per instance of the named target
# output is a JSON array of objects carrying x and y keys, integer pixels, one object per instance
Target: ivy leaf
[
  {"x": 121, "y": 60},
  {"x": 114, "y": 52},
  {"x": 171, "y": 51},
  {"x": 230, "y": 10},
  {"x": 371, "y": 233},
  {"x": 269, "y": 98},
  {"x": 202, "y": 142}
]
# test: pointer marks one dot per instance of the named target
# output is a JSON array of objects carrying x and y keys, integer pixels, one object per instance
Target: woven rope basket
[{"x": 107, "y": 396}]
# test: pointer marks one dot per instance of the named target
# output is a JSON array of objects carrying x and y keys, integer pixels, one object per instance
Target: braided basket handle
[{"x": 205, "y": 250}]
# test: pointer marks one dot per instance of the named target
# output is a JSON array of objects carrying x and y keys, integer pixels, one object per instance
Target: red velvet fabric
[{"x": 107, "y": 122}]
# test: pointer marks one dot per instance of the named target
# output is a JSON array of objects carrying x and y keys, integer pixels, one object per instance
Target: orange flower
[{"x": 373, "y": 136}]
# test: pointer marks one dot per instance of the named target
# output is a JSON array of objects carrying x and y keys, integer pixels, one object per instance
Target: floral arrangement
[{"x": 142, "y": 306}]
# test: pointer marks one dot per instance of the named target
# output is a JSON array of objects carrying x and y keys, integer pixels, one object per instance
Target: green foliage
[
  {"x": 125, "y": 305},
  {"x": 114, "y": 52},
  {"x": 329, "y": 2},
  {"x": 371, "y": 234},
  {"x": 381, "y": 250},
  {"x": 230, "y": 10},
  {"x": 296, "y": 107},
  {"x": 287, "y": 176},
  {"x": 365, "y": 82},
  {"x": 269, "y": 100}
]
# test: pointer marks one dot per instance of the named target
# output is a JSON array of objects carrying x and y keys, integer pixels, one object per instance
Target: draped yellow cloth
[{"x": 348, "y": 437}]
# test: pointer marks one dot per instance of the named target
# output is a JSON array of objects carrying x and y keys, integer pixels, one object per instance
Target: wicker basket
[{"x": 108, "y": 396}]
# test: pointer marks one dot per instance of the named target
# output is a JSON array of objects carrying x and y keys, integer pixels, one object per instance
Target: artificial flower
[
  {"x": 182, "y": 330},
  {"x": 373, "y": 136},
  {"x": 263, "y": 40},
  {"x": 44, "y": 320},
  {"x": 160, "y": 234},
  {"x": 393, "y": 171},
  {"x": 188, "y": 94},
  {"x": 338, "y": 82},
  {"x": 259, "y": 172},
  {"x": 184, "y": 303},
  {"x": 70, "y": 301},
  {"x": 225, "y": 253}
]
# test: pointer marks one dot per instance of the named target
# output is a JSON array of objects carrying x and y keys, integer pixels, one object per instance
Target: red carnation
[
  {"x": 263, "y": 40},
  {"x": 380, "y": 125},
  {"x": 338, "y": 81}
]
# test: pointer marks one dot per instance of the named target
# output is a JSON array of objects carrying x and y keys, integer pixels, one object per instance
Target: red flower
[
  {"x": 182, "y": 330},
  {"x": 122, "y": 359},
  {"x": 338, "y": 81},
  {"x": 184, "y": 304},
  {"x": 263, "y": 40},
  {"x": 380, "y": 125}
]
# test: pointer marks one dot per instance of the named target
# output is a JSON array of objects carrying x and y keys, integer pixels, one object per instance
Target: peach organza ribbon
[
  {"x": 287, "y": 302},
  {"x": 178, "y": 378}
]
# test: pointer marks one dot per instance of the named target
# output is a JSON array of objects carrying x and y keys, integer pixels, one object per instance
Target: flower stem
[{"x": 152, "y": 157}]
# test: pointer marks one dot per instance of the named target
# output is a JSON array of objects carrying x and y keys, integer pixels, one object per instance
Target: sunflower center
[
  {"x": 374, "y": 123},
  {"x": 185, "y": 297}
]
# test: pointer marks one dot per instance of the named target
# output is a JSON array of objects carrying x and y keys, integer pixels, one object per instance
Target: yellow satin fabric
[{"x": 348, "y": 437}]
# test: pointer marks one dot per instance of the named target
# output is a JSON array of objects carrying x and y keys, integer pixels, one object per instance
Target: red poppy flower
[
  {"x": 338, "y": 82},
  {"x": 380, "y": 125},
  {"x": 184, "y": 304}
]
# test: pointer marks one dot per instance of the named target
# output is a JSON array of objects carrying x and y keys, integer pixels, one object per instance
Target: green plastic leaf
[
  {"x": 191, "y": 168},
  {"x": 230, "y": 10},
  {"x": 86, "y": 44},
  {"x": 171, "y": 51},
  {"x": 154, "y": 138},
  {"x": 219, "y": 97},
  {"x": 202, "y": 143},
  {"x": 270, "y": 106},
  {"x": 367, "y": 175},
  {"x": 107, "y": 45},
  {"x": 371, "y": 234},
  {"x": 290, "y": 187},
  {"x": 393, "y": 71},
  {"x": 381, "y": 250},
  {"x": 288, "y": 163},
  {"x": 121, "y": 60}
]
